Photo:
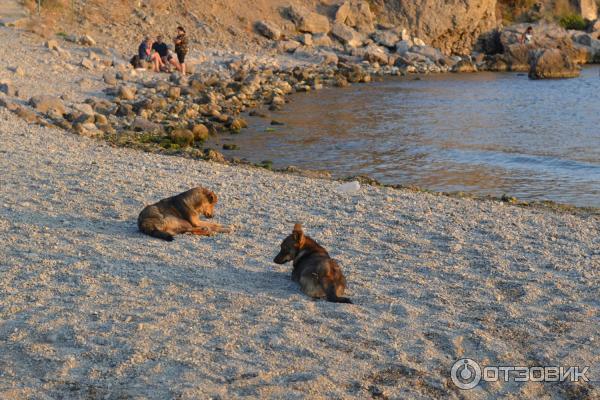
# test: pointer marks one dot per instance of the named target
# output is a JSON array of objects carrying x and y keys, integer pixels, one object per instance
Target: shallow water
[{"x": 486, "y": 133}]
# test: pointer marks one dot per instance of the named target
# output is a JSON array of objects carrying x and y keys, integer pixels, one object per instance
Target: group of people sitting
[{"x": 160, "y": 56}]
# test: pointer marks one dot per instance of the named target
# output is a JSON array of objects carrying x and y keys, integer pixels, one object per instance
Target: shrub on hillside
[{"x": 573, "y": 21}]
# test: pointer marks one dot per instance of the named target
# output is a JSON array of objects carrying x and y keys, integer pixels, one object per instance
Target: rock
[
  {"x": 356, "y": 74},
  {"x": 583, "y": 39},
  {"x": 403, "y": 46},
  {"x": 328, "y": 57},
  {"x": 18, "y": 22},
  {"x": 100, "y": 119},
  {"x": 268, "y": 30},
  {"x": 110, "y": 78},
  {"x": 308, "y": 21},
  {"x": 277, "y": 101},
  {"x": 8, "y": 88},
  {"x": 347, "y": 35},
  {"x": 214, "y": 155},
  {"x": 19, "y": 71},
  {"x": 88, "y": 129},
  {"x": 517, "y": 57},
  {"x": 237, "y": 124},
  {"x": 200, "y": 132},
  {"x": 588, "y": 9},
  {"x": 81, "y": 118},
  {"x": 84, "y": 108},
  {"x": 288, "y": 46},
  {"x": 464, "y": 65},
  {"x": 26, "y": 114},
  {"x": 52, "y": 45},
  {"x": 418, "y": 42},
  {"x": 126, "y": 92},
  {"x": 552, "y": 64},
  {"x": 306, "y": 39},
  {"x": 356, "y": 14},
  {"x": 386, "y": 38},
  {"x": 410, "y": 58},
  {"x": 595, "y": 26},
  {"x": 431, "y": 53},
  {"x": 182, "y": 137},
  {"x": 87, "y": 40},
  {"x": 453, "y": 26},
  {"x": 321, "y": 39},
  {"x": 174, "y": 92},
  {"x": 143, "y": 125},
  {"x": 497, "y": 63},
  {"x": 7, "y": 103},
  {"x": 44, "y": 103},
  {"x": 376, "y": 54},
  {"x": 87, "y": 63}
]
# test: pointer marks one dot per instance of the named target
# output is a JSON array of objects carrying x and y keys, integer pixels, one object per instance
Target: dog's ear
[
  {"x": 298, "y": 233},
  {"x": 211, "y": 196}
]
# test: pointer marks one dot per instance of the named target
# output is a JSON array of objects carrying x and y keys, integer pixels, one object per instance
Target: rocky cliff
[{"x": 450, "y": 25}]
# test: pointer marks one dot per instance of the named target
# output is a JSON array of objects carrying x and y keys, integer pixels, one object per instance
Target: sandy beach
[{"x": 91, "y": 308}]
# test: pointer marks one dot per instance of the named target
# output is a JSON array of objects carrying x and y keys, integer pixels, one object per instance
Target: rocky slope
[{"x": 452, "y": 26}]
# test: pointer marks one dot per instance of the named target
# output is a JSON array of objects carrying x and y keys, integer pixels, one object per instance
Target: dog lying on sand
[
  {"x": 180, "y": 214},
  {"x": 318, "y": 274}
]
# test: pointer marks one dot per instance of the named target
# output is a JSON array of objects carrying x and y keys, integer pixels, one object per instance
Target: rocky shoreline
[{"x": 175, "y": 115}]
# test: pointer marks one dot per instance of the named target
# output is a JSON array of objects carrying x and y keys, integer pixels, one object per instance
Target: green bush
[{"x": 573, "y": 21}]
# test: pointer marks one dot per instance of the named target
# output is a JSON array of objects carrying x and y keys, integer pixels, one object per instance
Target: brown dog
[
  {"x": 318, "y": 274},
  {"x": 179, "y": 214}
]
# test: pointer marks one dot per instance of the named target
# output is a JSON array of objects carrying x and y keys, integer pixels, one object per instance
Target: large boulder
[
  {"x": 588, "y": 9},
  {"x": 268, "y": 30},
  {"x": 453, "y": 26},
  {"x": 576, "y": 45},
  {"x": 464, "y": 65},
  {"x": 347, "y": 35},
  {"x": 45, "y": 103},
  {"x": 431, "y": 53},
  {"x": 403, "y": 46},
  {"x": 356, "y": 14},
  {"x": 308, "y": 21},
  {"x": 552, "y": 64},
  {"x": 321, "y": 39},
  {"x": 545, "y": 34},
  {"x": 376, "y": 54},
  {"x": 517, "y": 57},
  {"x": 386, "y": 38}
]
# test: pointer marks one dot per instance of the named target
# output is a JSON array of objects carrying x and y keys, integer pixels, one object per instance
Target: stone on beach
[
  {"x": 308, "y": 21},
  {"x": 552, "y": 64},
  {"x": 268, "y": 30}
]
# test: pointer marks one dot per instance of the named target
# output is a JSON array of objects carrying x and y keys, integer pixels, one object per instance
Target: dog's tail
[
  {"x": 334, "y": 298},
  {"x": 161, "y": 235}
]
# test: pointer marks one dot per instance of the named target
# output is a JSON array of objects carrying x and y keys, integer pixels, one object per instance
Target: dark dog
[
  {"x": 318, "y": 274},
  {"x": 179, "y": 214}
]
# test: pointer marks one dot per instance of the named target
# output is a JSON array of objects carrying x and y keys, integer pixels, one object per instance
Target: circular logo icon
[{"x": 466, "y": 373}]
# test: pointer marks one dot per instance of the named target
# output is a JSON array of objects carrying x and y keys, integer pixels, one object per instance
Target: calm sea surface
[{"x": 487, "y": 133}]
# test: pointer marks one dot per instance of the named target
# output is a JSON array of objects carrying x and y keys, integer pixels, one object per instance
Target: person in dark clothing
[
  {"x": 181, "y": 47},
  {"x": 163, "y": 51},
  {"x": 145, "y": 53}
]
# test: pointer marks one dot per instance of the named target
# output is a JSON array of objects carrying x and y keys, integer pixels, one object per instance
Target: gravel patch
[{"x": 91, "y": 308}]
